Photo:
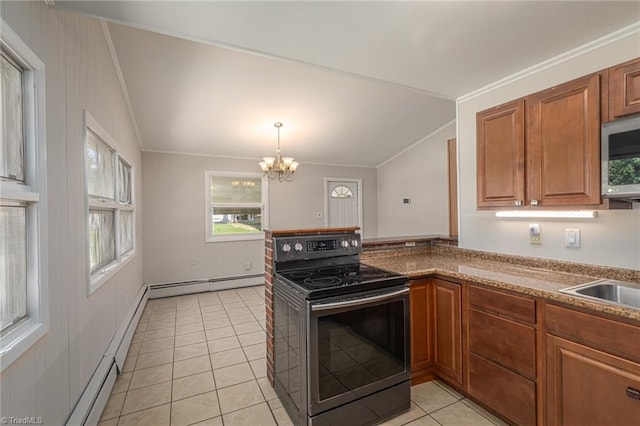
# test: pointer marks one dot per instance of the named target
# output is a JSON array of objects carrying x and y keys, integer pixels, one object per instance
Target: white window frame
[
  {"x": 106, "y": 272},
  {"x": 20, "y": 337},
  {"x": 264, "y": 205}
]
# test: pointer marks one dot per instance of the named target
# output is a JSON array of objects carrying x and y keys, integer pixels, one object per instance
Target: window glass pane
[
  {"x": 102, "y": 248},
  {"x": 236, "y": 220},
  {"x": 124, "y": 182},
  {"x": 99, "y": 167},
  {"x": 13, "y": 265},
  {"x": 236, "y": 189},
  {"x": 11, "y": 122},
  {"x": 126, "y": 232}
]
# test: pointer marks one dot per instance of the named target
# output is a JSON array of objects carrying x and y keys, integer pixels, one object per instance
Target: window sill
[
  {"x": 232, "y": 238},
  {"x": 96, "y": 281},
  {"x": 18, "y": 341}
]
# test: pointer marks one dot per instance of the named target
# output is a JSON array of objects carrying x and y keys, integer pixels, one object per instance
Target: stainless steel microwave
[{"x": 621, "y": 158}]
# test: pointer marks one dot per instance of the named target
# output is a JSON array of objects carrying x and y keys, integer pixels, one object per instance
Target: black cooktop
[{"x": 343, "y": 279}]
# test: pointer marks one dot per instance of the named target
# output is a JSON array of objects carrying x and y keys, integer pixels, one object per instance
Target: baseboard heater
[
  {"x": 199, "y": 286},
  {"x": 95, "y": 395}
]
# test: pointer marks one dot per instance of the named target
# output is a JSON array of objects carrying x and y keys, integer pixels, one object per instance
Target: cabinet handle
[
  {"x": 534, "y": 203},
  {"x": 633, "y": 393},
  {"x": 518, "y": 203}
]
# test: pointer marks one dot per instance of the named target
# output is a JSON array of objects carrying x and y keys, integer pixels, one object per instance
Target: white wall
[
  {"x": 49, "y": 378},
  {"x": 419, "y": 173},
  {"x": 613, "y": 238},
  {"x": 174, "y": 221}
]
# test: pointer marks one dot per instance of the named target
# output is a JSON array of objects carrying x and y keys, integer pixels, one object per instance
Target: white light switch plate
[{"x": 572, "y": 238}]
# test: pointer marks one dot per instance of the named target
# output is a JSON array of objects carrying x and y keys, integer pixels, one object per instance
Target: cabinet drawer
[
  {"x": 612, "y": 336},
  {"x": 503, "y": 304},
  {"x": 505, "y": 342},
  {"x": 508, "y": 393}
]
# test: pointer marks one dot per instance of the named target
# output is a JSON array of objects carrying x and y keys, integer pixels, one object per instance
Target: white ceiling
[{"x": 353, "y": 82}]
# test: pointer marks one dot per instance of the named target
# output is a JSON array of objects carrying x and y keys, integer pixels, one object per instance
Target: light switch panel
[{"x": 572, "y": 238}]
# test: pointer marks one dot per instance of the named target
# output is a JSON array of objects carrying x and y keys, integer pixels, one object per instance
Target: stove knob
[
  {"x": 354, "y": 243},
  {"x": 344, "y": 244},
  {"x": 298, "y": 247},
  {"x": 286, "y": 247}
]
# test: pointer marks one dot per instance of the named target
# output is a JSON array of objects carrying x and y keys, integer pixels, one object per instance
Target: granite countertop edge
[{"x": 559, "y": 280}]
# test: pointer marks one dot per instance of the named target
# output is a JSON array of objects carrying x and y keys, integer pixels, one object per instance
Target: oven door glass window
[{"x": 358, "y": 348}]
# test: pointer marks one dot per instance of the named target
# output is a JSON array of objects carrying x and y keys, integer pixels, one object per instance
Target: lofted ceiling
[{"x": 354, "y": 83}]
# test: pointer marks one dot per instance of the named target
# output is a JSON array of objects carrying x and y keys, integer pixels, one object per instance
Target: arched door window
[{"x": 341, "y": 191}]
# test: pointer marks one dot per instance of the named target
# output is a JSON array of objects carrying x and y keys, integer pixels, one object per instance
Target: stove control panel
[{"x": 316, "y": 246}]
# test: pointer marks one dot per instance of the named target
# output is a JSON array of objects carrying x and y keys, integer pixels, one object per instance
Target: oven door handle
[{"x": 358, "y": 302}]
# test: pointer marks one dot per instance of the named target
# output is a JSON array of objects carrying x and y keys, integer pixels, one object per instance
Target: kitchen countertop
[{"x": 533, "y": 277}]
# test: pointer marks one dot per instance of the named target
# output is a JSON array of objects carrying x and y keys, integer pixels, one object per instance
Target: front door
[{"x": 342, "y": 202}]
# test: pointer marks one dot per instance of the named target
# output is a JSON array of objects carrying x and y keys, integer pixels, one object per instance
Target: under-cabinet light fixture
[{"x": 554, "y": 214}]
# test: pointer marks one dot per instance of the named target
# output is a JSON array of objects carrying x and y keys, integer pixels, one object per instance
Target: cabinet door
[
  {"x": 500, "y": 156},
  {"x": 563, "y": 146},
  {"x": 624, "y": 89},
  {"x": 589, "y": 387},
  {"x": 420, "y": 329},
  {"x": 447, "y": 355}
]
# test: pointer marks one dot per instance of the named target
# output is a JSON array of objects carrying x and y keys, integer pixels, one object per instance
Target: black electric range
[{"x": 341, "y": 333}]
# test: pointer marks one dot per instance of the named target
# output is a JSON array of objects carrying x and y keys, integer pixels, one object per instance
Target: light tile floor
[{"x": 200, "y": 359}]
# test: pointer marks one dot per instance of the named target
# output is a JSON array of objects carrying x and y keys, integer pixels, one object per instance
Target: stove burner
[
  {"x": 323, "y": 281},
  {"x": 330, "y": 271},
  {"x": 301, "y": 274}
]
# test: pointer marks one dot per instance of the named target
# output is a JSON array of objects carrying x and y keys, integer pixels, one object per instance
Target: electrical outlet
[{"x": 535, "y": 235}]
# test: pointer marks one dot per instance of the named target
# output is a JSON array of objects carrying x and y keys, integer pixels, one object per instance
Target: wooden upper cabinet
[
  {"x": 624, "y": 89},
  {"x": 563, "y": 144},
  {"x": 501, "y": 156}
]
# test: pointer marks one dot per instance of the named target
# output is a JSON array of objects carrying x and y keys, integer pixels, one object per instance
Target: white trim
[
  {"x": 264, "y": 206},
  {"x": 201, "y": 286},
  {"x": 18, "y": 340},
  {"x": 358, "y": 182},
  {"x": 563, "y": 57},
  {"x": 413, "y": 145},
  {"x": 97, "y": 279},
  {"x": 123, "y": 85}
]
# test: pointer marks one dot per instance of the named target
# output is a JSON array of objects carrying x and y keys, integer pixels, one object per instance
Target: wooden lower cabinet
[
  {"x": 586, "y": 386},
  {"x": 506, "y": 392},
  {"x": 421, "y": 334},
  {"x": 447, "y": 353},
  {"x": 436, "y": 330},
  {"x": 506, "y": 342}
]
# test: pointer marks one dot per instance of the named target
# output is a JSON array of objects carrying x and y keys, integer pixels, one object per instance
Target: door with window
[{"x": 343, "y": 203}]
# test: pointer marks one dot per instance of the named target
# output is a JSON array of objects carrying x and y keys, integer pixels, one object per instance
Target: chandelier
[{"x": 279, "y": 167}]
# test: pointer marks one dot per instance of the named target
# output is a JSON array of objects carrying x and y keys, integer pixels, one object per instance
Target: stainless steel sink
[{"x": 608, "y": 291}]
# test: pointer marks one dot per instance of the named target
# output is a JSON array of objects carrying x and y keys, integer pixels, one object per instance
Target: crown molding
[{"x": 563, "y": 57}]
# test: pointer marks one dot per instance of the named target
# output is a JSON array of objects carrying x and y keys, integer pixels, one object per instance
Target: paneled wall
[
  {"x": 173, "y": 186},
  {"x": 613, "y": 238},
  {"x": 50, "y": 377}
]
